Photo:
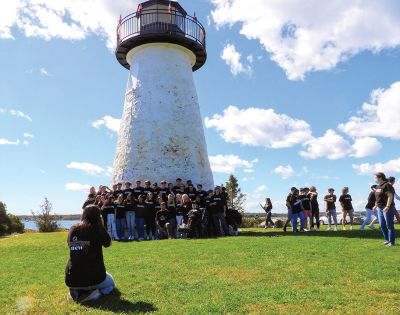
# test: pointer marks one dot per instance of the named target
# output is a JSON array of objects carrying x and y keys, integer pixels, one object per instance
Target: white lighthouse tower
[{"x": 161, "y": 135}]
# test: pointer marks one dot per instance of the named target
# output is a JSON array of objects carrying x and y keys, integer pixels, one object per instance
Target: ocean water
[{"x": 64, "y": 224}]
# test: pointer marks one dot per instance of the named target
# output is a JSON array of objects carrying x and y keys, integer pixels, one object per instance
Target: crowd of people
[
  {"x": 153, "y": 212},
  {"x": 173, "y": 211},
  {"x": 303, "y": 206}
]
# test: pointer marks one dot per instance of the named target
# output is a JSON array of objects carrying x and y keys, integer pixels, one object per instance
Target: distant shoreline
[{"x": 77, "y": 217}]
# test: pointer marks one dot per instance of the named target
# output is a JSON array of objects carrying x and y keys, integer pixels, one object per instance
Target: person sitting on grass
[
  {"x": 164, "y": 222},
  {"x": 85, "y": 273}
]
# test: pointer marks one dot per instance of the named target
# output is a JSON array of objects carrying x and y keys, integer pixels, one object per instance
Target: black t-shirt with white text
[
  {"x": 86, "y": 265},
  {"x": 330, "y": 202},
  {"x": 346, "y": 201}
]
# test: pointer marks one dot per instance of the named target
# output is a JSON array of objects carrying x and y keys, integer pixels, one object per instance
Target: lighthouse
[{"x": 161, "y": 136}]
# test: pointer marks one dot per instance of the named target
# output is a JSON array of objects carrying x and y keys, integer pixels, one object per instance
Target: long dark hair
[{"x": 91, "y": 217}]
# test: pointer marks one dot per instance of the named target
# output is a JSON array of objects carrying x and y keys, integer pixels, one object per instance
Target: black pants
[
  {"x": 151, "y": 226},
  {"x": 268, "y": 219},
  {"x": 315, "y": 214}
]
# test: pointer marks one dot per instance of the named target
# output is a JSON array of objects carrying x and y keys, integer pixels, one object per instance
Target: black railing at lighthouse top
[{"x": 161, "y": 25}]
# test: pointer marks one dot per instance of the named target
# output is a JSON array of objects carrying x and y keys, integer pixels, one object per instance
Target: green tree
[
  {"x": 9, "y": 223},
  {"x": 44, "y": 219},
  {"x": 236, "y": 198}
]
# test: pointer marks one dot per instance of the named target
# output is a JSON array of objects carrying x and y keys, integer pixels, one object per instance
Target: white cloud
[
  {"x": 28, "y": 135},
  {"x": 227, "y": 164},
  {"x": 392, "y": 166},
  {"x": 379, "y": 118},
  {"x": 301, "y": 37},
  {"x": 5, "y": 141},
  {"x": 334, "y": 147},
  {"x": 69, "y": 20},
  {"x": 90, "y": 169},
  {"x": 259, "y": 127},
  {"x": 44, "y": 72},
  {"x": 367, "y": 146},
  {"x": 285, "y": 171},
  {"x": 77, "y": 187},
  {"x": 109, "y": 122},
  {"x": 232, "y": 59},
  {"x": 18, "y": 113}
]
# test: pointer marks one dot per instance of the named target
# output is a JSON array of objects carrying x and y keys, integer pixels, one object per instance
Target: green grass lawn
[{"x": 258, "y": 272}]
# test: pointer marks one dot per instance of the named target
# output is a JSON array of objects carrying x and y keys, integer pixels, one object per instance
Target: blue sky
[{"x": 287, "y": 97}]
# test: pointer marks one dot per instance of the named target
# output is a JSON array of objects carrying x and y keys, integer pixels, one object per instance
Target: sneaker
[
  {"x": 335, "y": 229},
  {"x": 141, "y": 239},
  {"x": 116, "y": 239},
  {"x": 284, "y": 228},
  {"x": 389, "y": 245},
  {"x": 361, "y": 229},
  {"x": 351, "y": 228},
  {"x": 344, "y": 228},
  {"x": 386, "y": 243},
  {"x": 90, "y": 296},
  {"x": 372, "y": 227},
  {"x": 317, "y": 230},
  {"x": 312, "y": 229},
  {"x": 73, "y": 295}
]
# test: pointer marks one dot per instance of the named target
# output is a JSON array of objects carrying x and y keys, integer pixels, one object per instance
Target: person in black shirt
[
  {"x": 233, "y": 219},
  {"x": 164, "y": 221},
  {"x": 297, "y": 210},
  {"x": 202, "y": 193},
  {"x": 384, "y": 194},
  {"x": 289, "y": 219},
  {"x": 140, "y": 215},
  {"x": 330, "y": 207},
  {"x": 147, "y": 188},
  {"x": 108, "y": 209},
  {"x": 305, "y": 199},
  {"x": 392, "y": 181},
  {"x": 130, "y": 215},
  {"x": 128, "y": 190},
  {"x": 118, "y": 190},
  {"x": 170, "y": 187},
  {"x": 368, "y": 208},
  {"x": 120, "y": 217},
  {"x": 313, "y": 195},
  {"x": 218, "y": 213},
  {"x": 163, "y": 191},
  {"x": 191, "y": 192},
  {"x": 347, "y": 207},
  {"x": 150, "y": 218},
  {"x": 85, "y": 273},
  {"x": 177, "y": 186},
  {"x": 138, "y": 190},
  {"x": 268, "y": 213}
]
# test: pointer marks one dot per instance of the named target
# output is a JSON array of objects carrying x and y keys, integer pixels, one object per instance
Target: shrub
[
  {"x": 251, "y": 222},
  {"x": 16, "y": 225},
  {"x": 9, "y": 223},
  {"x": 44, "y": 219}
]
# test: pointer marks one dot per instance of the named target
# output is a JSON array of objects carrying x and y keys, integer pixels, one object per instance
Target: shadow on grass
[
  {"x": 345, "y": 234},
  {"x": 116, "y": 304}
]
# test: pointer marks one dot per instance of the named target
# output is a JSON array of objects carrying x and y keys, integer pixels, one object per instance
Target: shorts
[
  {"x": 308, "y": 213},
  {"x": 348, "y": 211}
]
